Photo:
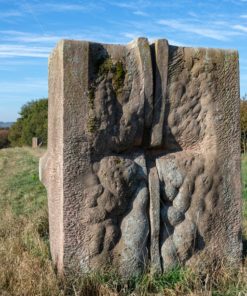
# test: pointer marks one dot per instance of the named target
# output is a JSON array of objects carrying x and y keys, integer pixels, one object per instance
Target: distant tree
[
  {"x": 243, "y": 123},
  {"x": 4, "y": 142},
  {"x": 33, "y": 122}
]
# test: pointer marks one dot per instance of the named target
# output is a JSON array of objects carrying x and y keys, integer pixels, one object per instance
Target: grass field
[{"x": 25, "y": 264}]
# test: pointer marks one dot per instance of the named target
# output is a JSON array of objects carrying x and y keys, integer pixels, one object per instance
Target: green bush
[
  {"x": 4, "y": 142},
  {"x": 33, "y": 122}
]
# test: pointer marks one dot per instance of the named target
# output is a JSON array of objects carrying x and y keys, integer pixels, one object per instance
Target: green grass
[
  {"x": 244, "y": 194},
  {"x": 25, "y": 263},
  {"x": 244, "y": 191},
  {"x": 244, "y": 176}
]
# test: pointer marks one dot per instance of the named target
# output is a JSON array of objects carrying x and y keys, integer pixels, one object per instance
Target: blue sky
[{"x": 29, "y": 29}]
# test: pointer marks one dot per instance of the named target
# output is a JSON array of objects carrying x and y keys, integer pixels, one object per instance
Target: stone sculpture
[{"x": 143, "y": 160}]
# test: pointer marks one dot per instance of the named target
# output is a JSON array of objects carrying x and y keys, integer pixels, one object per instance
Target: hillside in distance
[{"x": 5, "y": 124}]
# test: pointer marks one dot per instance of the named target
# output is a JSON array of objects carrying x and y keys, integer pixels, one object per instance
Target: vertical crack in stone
[
  {"x": 136, "y": 130},
  {"x": 160, "y": 55},
  {"x": 154, "y": 215},
  {"x": 147, "y": 72}
]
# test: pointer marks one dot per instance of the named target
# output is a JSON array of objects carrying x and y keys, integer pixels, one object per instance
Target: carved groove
[{"x": 137, "y": 173}]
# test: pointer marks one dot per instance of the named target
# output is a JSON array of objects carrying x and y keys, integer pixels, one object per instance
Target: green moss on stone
[
  {"x": 117, "y": 69},
  {"x": 119, "y": 76},
  {"x": 91, "y": 97},
  {"x": 106, "y": 67},
  {"x": 92, "y": 124},
  {"x": 118, "y": 160}
]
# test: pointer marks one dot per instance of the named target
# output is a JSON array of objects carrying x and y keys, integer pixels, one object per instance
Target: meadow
[{"x": 25, "y": 263}]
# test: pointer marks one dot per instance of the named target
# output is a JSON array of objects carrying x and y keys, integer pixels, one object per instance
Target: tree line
[{"x": 33, "y": 122}]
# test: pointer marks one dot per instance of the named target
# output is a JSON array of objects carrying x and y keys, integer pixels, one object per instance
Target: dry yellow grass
[{"x": 25, "y": 263}]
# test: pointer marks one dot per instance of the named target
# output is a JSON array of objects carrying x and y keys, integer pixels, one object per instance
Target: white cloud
[
  {"x": 191, "y": 13},
  {"x": 63, "y": 7},
  {"x": 170, "y": 41},
  {"x": 133, "y": 5},
  {"x": 8, "y": 14},
  {"x": 131, "y": 35},
  {"x": 141, "y": 13},
  {"x": 10, "y": 50},
  {"x": 26, "y": 37},
  {"x": 243, "y": 16},
  {"x": 218, "y": 34},
  {"x": 125, "y": 5},
  {"x": 241, "y": 28},
  {"x": 151, "y": 38},
  {"x": 13, "y": 94},
  {"x": 95, "y": 34},
  {"x": 23, "y": 86},
  {"x": 56, "y": 7},
  {"x": 136, "y": 5},
  {"x": 11, "y": 64}
]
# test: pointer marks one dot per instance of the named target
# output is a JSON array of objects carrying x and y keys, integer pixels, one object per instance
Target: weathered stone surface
[
  {"x": 160, "y": 56},
  {"x": 143, "y": 160},
  {"x": 154, "y": 214}
]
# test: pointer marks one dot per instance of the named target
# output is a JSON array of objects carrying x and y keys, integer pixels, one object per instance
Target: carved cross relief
[{"x": 141, "y": 174}]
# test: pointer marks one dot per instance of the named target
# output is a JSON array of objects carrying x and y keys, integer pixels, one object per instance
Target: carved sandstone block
[{"x": 143, "y": 160}]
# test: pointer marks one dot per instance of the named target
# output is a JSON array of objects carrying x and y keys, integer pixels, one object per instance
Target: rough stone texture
[
  {"x": 143, "y": 160},
  {"x": 154, "y": 214}
]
